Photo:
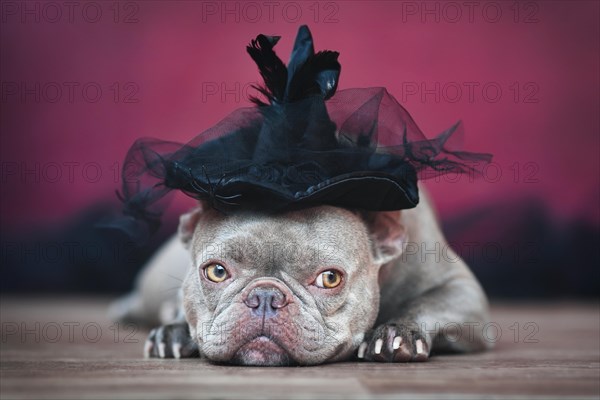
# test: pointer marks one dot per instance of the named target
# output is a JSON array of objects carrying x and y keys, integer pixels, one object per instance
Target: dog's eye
[
  {"x": 216, "y": 273},
  {"x": 328, "y": 279}
]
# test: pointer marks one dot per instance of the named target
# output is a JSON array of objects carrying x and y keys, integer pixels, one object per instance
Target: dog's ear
[
  {"x": 187, "y": 224},
  {"x": 388, "y": 235}
]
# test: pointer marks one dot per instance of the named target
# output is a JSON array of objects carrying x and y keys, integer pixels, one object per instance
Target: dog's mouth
[{"x": 262, "y": 351}]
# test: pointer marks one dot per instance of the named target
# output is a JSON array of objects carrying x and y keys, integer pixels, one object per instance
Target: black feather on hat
[{"x": 307, "y": 146}]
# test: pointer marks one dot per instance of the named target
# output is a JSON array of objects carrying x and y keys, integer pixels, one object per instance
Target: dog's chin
[{"x": 262, "y": 351}]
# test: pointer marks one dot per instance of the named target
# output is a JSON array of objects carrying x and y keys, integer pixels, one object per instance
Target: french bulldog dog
[{"x": 306, "y": 287}]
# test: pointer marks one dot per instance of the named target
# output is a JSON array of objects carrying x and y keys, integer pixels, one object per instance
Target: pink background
[{"x": 173, "y": 52}]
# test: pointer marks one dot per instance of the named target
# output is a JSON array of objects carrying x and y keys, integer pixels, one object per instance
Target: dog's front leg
[{"x": 449, "y": 317}]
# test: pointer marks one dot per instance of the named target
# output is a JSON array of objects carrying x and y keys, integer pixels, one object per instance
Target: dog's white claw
[
  {"x": 147, "y": 348},
  {"x": 419, "y": 344},
  {"x": 361, "y": 350},
  {"x": 176, "y": 350},
  {"x": 397, "y": 342},
  {"x": 378, "y": 345},
  {"x": 161, "y": 350}
]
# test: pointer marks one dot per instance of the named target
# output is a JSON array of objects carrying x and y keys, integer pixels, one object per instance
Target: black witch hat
[{"x": 305, "y": 145}]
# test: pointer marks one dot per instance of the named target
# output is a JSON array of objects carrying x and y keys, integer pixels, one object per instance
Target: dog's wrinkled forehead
[{"x": 312, "y": 237}]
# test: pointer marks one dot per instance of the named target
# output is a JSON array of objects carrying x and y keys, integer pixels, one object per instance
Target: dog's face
[{"x": 293, "y": 288}]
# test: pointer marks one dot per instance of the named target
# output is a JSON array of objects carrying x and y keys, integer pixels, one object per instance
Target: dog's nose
[{"x": 266, "y": 300}]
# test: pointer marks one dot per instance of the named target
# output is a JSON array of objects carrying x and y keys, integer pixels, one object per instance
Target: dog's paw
[
  {"x": 394, "y": 343},
  {"x": 171, "y": 341}
]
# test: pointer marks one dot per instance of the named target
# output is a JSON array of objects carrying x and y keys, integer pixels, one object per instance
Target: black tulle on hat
[{"x": 305, "y": 145}]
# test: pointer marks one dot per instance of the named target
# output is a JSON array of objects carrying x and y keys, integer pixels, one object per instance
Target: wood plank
[{"x": 560, "y": 359}]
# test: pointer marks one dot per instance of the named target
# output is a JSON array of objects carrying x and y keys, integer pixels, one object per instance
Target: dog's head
[{"x": 294, "y": 288}]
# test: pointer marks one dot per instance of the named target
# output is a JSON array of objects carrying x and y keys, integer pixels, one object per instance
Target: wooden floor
[{"x": 67, "y": 349}]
